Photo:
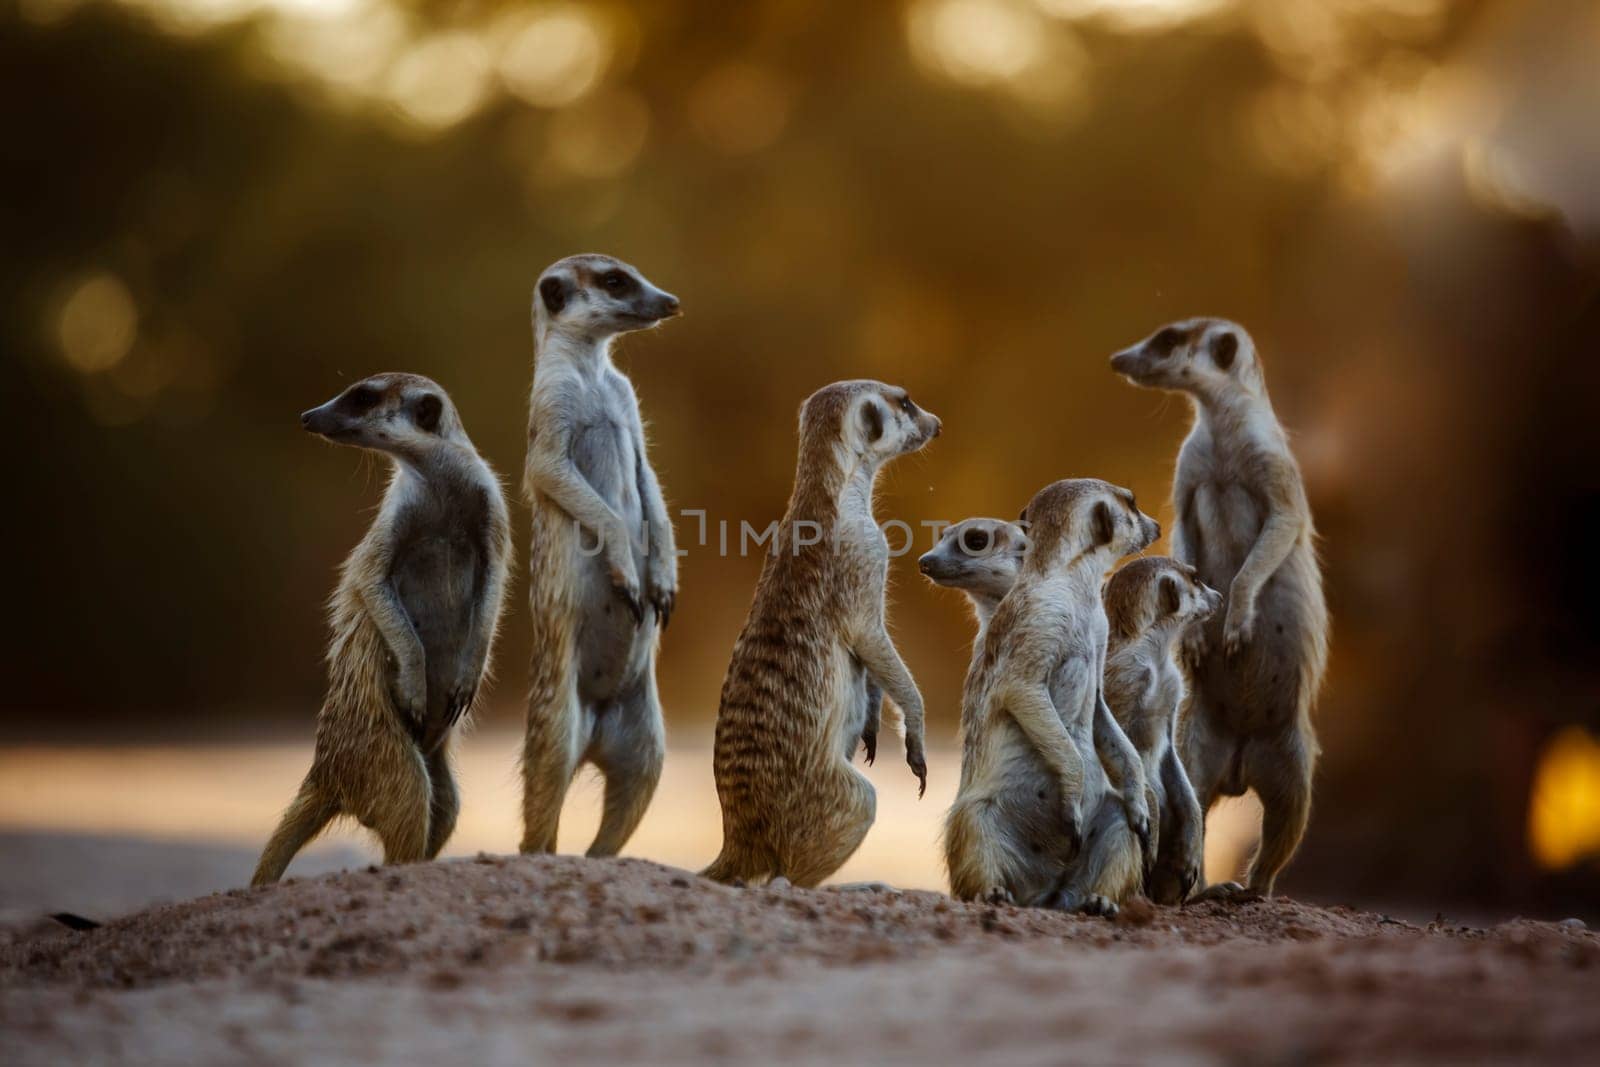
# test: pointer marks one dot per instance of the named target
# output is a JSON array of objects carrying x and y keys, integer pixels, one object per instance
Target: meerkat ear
[
  {"x": 429, "y": 409},
  {"x": 871, "y": 420},
  {"x": 1223, "y": 349},
  {"x": 553, "y": 291},
  {"x": 1102, "y": 524},
  {"x": 1168, "y": 595}
]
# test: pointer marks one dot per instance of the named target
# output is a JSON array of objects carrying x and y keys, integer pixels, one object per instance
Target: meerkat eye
[
  {"x": 360, "y": 400},
  {"x": 615, "y": 281},
  {"x": 975, "y": 542},
  {"x": 1164, "y": 342},
  {"x": 907, "y": 405}
]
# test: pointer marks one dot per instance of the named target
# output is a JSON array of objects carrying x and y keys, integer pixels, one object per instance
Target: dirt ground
[{"x": 548, "y": 959}]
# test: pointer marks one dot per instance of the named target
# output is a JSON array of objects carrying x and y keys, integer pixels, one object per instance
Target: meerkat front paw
[
  {"x": 996, "y": 894},
  {"x": 625, "y": 580},
  {"x": 869, "y": 740},
  {"x": 662, "y": 595},
  {"x": 410, "y": 692},
  {"x": 459, "y": 700},
  {"x": 1192, "y": 650},
  {"x": 1072, "y": 816},
  {"x": 1237, "y": 631},
  {"x": 918, "y": 764},
  {"x": 1139, "y": 823}
]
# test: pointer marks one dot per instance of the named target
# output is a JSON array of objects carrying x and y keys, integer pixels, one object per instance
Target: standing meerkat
[
  {"x": 795, "y": 700},
  {"x": 1150, "y": 604},
  {"x": 414, "y": 619},
  {"x": 1243, "y": 522},
  {"x": 603, "y": 569},
  {"x": 1036, "y": 820}
]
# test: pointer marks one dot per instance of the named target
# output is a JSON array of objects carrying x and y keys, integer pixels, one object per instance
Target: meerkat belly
[
  {"x": 437, "y": 579},
  {"x": 1263, "y": 683},
  {"x": 613, "y": 647},
  {"x": 1030, "y": 796},
  {"x": 1228, "y": 520}
]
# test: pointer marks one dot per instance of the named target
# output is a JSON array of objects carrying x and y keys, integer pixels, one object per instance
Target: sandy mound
[{"x": 495, "y": 959}]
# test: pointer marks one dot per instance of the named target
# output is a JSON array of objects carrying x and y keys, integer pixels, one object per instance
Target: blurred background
[{"x": 218, "y": 213}]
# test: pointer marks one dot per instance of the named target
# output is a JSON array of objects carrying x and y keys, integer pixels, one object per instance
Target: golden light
[
  {"x": 1497, "y": 180},
  {"x": 1294, "y": 129},
  {"x": 975, "y": 42},
  {"x": 738, "y": 108},
  {"x": 350, "y": 52},
  {"x": 601, "y": 137},
  {"x": 1564, "y": 809},
  {"x": 555, "y": 56},
  {"x": 97, "y": 324},
  {"x": 1135, "y": 16},
  {"x": 440, "y": 81}
]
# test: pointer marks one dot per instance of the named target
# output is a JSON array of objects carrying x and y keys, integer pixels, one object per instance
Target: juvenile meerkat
[
  {"x": 980, "y": 557},
  {"x": 1243, "y": 522},
  {"x": 1037, "y": 820},
  {"x": 603, "y": 568},
  {"x": 794, "y": 699},
  {"x": 1150, "y": 604},
  {"x": 414, "y": 618}
]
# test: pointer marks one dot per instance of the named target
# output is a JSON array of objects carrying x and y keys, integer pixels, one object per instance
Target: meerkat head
[
  {"x": 978, "y": 556},
  {"x": 596, "y": 296},
  {"x": 1157, "y": 591},
  {"x": 1084, "y": 518},
  {"x": 402, "y": 414},
  {"x": 873, "y": 421},
  {"x": 1203, "y": 357}
]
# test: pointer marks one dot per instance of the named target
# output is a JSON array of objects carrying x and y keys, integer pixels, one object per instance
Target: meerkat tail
[
  {"x": 893, "y": 720},
  {"x": 311, "y": 810}
]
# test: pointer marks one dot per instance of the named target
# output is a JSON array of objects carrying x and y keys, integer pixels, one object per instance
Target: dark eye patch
[
  {"x": 616, "y": 282},
  {"x": 907, "y": 405},
  {"x": 1162, "y": 344},
  {"x": 975, "y": 542},
  {"x": 428, "y": 410},
  {"x": 360, "y": 400}
]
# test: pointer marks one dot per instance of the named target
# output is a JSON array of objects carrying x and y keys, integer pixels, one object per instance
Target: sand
[{"x": 505, "y": 959}]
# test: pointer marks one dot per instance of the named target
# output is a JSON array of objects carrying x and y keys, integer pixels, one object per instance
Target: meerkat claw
[
  {"x": 919, "y": 767},
  {"x": 870, "y": 740}
]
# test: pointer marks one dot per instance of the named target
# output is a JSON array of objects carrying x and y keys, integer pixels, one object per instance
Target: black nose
[
  {"x": 305, "y": 418},
  {"x": 925, "y": 565},
  {"x": 670, "y": 305}
]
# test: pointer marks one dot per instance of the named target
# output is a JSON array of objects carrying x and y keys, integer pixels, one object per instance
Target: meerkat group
[{"x": 1104, "y": 710}]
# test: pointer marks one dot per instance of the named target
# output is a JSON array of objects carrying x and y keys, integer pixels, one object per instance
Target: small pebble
[{"x": 1573, "y": 924}]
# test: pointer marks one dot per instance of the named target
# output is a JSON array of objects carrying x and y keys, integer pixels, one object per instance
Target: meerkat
[
  {"x": 414, "y": 619},
  {"x": 1244, "y": 524},
  {"x": 980, "y": 557},
  {"x": 603, "y": 567},
  {"x": 1150, "y": 604},
  {"x": 795, "y": 697},
  {"x": 1037, "y": 819}
]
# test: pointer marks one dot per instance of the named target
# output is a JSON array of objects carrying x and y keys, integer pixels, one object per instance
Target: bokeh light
[
  {"x": 97, "y": 323},
  {"x": 553, "y": 56},
  {"x": 440, "y": 81},
  {"x": 1564, "y": 816}
]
